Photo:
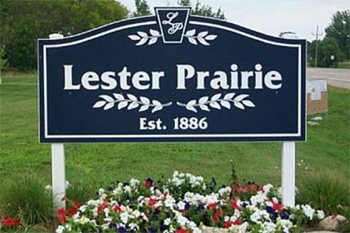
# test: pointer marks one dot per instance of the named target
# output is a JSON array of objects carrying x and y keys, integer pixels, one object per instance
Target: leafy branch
[
  {"x": 143, "y": 37},
  {"x": 217, "y": 102},
  {"x": 202, "y": 37},
  {"x": 130, "y": 101}
]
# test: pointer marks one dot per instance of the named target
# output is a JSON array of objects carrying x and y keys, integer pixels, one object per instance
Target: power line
[{"x": 316, "y": 35}]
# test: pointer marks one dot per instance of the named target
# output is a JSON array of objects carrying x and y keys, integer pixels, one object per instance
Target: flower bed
[{"x": 183, "y": 204}]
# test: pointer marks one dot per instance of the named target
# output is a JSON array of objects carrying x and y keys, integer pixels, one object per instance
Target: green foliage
[
  {"x": 339, "y": 29},
  {"x": 23, "y": 22},
  {"x": 324, "y": 190},
  {"x": 142, "y": 8},
  {"x": 80, "y": 192},
  {"x": 203, "y": 10},
  {"x": 25, "y": 197},
  {"x": 326, "y": 48}
]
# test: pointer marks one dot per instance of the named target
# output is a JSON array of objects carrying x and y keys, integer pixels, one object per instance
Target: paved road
[{"x": 335, "y": 77}]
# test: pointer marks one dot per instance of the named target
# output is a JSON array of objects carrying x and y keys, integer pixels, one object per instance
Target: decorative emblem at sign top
[{"x": 174, "y": 26}]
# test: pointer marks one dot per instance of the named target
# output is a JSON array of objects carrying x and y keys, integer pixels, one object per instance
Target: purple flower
[
  {"x": 187, "y": 206},
  {"x": 121, "y": 230}
]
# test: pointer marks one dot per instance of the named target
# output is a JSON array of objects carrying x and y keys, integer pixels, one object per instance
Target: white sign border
[{"x": 193, "y": 22}]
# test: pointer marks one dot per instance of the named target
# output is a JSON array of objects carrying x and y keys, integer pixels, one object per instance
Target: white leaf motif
[
  {"x": 211, "y": 37},
  {"x": 144, "y": 100},
  {"x": 202, "y": 41},
  {"x": 144, "y": 108},
  {"x": 154, "y": 32},
  {"x": 190, "y": 106},
  {"x": 134, "y": 37},
  {"x": 229, "y": 96},
  {"x": 122, "y": 105},
  {"x": 240, "y": 97},
  {"x": 133, "y": 105},
  {"x": 216, "y": 97},
  {"x": 192, "y": 40},
  {"x": 107, "y": 98},
  {"x": 142, "y": 34},
  {"x": 203, "y": 34},
  {"x": 141, "y": 42},
  {"x": 203, "y": 100},
  {"x": 99, "y": 104},
  {"x": 204, "y": 108},
  {"x": 156, "y": 103},
  {"x": 225, "y": 104},
  {"x": 157, "y": 108},
  {"x": 239, "y": 105},
  {"x": 153, "y": 41},
  {"x": 132, "y": 97},
  {"x": 215, "y": 105},
  {"x": 191, "y": 32},
  {"x": 118, "y": 96},
  {"x": 248, "y": 103},
  {"x": 108, "y": 106}
]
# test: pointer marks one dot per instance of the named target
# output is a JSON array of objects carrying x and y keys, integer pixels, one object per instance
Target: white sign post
[
  {"x": 58, "y": 165},
  {"x": 288, "y": 173}
]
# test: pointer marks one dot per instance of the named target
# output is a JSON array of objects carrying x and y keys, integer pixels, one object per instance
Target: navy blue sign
[{"x": 171, "y": 77}]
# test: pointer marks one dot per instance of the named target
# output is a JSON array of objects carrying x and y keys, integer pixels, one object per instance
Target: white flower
[
  {"x": 48, "y": 188},
  {"x": 82, "y": 208},
  {"x": 134, "y": 183},
  {"x": 136, "y": 213},
  {"x": 267, "y": 188},
  {"x": 124, "y": 217},
  {"x": 181, "y": 220},
  {"x": 197, "y": 230},
  {"x": 269, "y": 227},
  {"x": 60, "y": 229},
  {"x": 308, "y": 211},
  {"x": 67, "y": 185},
  {"x": 258, "y": 198},
  {"x": 181, "y": 205},
  {"x": 167, "y": 222},
  {"x": 134, "y": 227},
  {"x": 255, "y": 216},
  {"x": 101, "y": 191},
  {"x": 169, "y": 202},
  {"x": 127, "y": 189},
  {"x": 320, "y": 214}
]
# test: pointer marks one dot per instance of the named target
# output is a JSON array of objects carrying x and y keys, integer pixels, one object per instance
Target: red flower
[
  {"x": 72, "y": 211},
  {"x": 151, "y": 202},
  {"x": 227, "y": 224},
  {"x": 234, "y": 205},
  {"x": 61, "y": 215},
  {"x": 148, "y": 183},
  {"x": 117, "y": 208},
  {"x": 11, "y": 222},
  {"x": 212, "y": 206},
  {"x": 100, "y": 208},
  {"x": 277, "y": 207},
  {"x": 182, "y": 230},
  {"x": 217, "y": 215},
  {"x": 76, "y": 204},
  {"x": 237, "y": 222}
]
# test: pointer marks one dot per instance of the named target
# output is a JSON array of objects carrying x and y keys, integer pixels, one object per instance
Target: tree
[
  {"x": 23, "y": 22},
  {"x": 339, "y": 29},
  {"x": 329, "y": 48},
  {"x": 203, "y": 10},
  {"x": 142, "y": 8}
]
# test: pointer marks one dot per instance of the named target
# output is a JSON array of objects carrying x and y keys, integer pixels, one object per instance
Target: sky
[{"x": 271, "y": 16}]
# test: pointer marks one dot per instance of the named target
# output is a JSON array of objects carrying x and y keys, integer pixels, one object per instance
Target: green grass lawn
[{"x": 327, "y": 148}]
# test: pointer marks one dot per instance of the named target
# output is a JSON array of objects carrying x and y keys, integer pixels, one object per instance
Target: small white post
[
  {"x": 288, "y": 173},
  {"x": 58, "y": 165},
  {"x": 58, "y": 174}
]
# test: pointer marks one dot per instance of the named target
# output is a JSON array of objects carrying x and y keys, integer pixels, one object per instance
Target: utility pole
[{"x": 316, "y": 35}]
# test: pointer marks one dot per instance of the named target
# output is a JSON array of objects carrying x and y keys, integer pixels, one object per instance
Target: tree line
[
  {"x": 23, "y": 22},
  {"x": 335, "y": 46}
]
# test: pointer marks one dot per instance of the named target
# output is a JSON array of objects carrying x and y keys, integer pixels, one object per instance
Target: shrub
[
  {"x": 27, "y": 199},
  {"x": 324, "y": 190}
]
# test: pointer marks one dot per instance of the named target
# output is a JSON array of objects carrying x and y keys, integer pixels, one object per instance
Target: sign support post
[
  {"x": 288, "y": 173},
  {"x": 58, "y": 165}
]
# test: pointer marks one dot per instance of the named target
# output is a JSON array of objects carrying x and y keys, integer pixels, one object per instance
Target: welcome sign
[{"x": 171, "y": 77}]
